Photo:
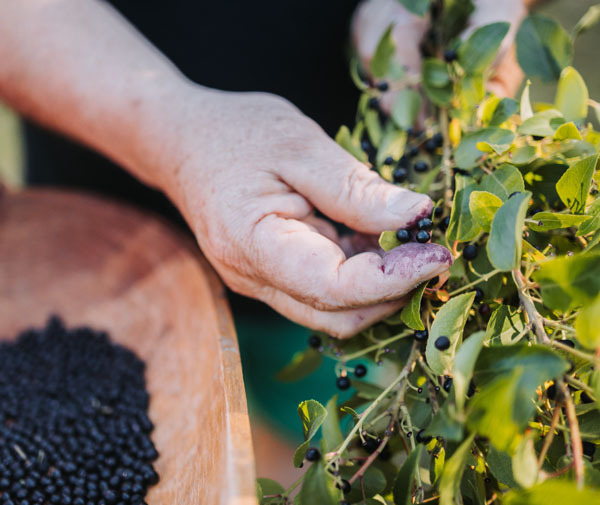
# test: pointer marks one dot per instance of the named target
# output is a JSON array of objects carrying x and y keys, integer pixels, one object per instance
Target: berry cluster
[{"x": 74, "y": 428}]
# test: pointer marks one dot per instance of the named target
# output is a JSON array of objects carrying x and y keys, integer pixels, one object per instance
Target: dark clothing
[{"x": 294, "y": 48}]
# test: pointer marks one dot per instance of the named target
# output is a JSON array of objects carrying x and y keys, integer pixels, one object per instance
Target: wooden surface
[{"x": 103, "y": 264}]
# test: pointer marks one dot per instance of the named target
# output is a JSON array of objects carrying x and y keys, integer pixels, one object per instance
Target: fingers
[
  {"x": 340, "y": 324},
  {"x": 292, "y": 257},
  {"x": 348, "y": 192}
]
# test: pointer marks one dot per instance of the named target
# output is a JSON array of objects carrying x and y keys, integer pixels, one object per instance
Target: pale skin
[{"x": 246, "y": 170}]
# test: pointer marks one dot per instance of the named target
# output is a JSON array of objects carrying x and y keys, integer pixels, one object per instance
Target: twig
[
  {"x": 481, "y": 279},
  {"x": 534, "y": 317},
  {"x": 578, "y": 384},
  {"x": 576, "y": 445},
  {"x": 550, "y": 436},
  {"x": 445, "y": 163},
  {"x": 376, "y": 346}
]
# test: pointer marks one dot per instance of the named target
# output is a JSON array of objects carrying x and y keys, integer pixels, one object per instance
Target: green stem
[
  {"x": 363, "y": 417},
  {"x": 483, "y": 278},
  {"x": 587, "y": 357},
  {"x": 376, "y": 346},
  {"x": 294, "y": 485}
]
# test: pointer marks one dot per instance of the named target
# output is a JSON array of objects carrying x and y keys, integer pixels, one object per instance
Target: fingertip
[
  {"x": 409, "y": 207},
  {"x": 417, "y": 261}
]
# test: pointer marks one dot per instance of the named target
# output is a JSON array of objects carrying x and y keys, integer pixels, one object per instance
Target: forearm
[{"x": 78, "y": 67}]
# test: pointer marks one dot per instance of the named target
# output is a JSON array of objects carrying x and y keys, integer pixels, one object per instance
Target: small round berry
[
  {"x": 438, "y": 139},
  {"x": 374, "y": 102},
  {"x": 419, "y": 390},
  {"x": 421, "y": 438},
  {"x": 403, "y": 236},
  {"x": 365, "y": 145},
  {"x": 383, "y": 86},
  {"x": 421, "y": 166},
  {"x": 412, "y": 151},
  {"x": 551, "y": 392},
  {"x": 360, "y": 371},
  {"x": 478, "y": 295},
  {"x": 444, "y": 223},
  {"x": 434, "y": 281},
  {"x": 314, "y": 341},
  {"x": 425, "y": 224},
  {"x": 345, "y": 487},
  {"x": 585, "y": 398},
  {"x": 450, "y": 55},
  {"x": 438, "y": 211},
  {"x": 422, "y": 236},
  {"x": 513, "y": 194},
  {"x": 442, "y": 343},
  {"x": 484, "y": 309},
  {"x": 470, "y": 252},
  {"x": 447, "y": 385},
  {"x": 430, "y": 146},
  {"x": 343, "y": 383},
  {"x": 437, "y": 389},
  {"x": 400, "y": 174},
  {"x": 537, "y": 137},
  {"x": 421, "y": 335},
  {"x": 388, "y": 161},
  {"x": 471, "y": 390},
  {"x": 312, "y": 454},
  {"x": 568, "y": 343}
]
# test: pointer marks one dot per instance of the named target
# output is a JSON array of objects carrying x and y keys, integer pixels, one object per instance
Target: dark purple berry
[
  {"x": 470, "y": 252},
  {"x": 314, "y": 341},
  {"x": 444, "y": 223},
  {"x": 403, "y": 236},
  {"x": 343, "y": 383},
  {"x": 360, "y": 371},
  {"x": 442, "y": 343},
  {"x": 400, "y": 174},
  {"x": 345, "y": 487},
  {"x": 421, "y": 335},
  {"x": 313, "y": 454},
  {"x": 430, "y": 146},
  {"x": 422, "y": 236},
  {"x": 585, "y": 398},
  {"x": 383, "y": 86},
  {"x": 425, "y": 224},
  {"x": 388, "y": 161},
  {"x": 478, "y": 295},
  {"x": 450, "y": 55},
  {"x": 447, "y": 385},
  {"x": 421, "y": 166},
  {"x": 421, "y": 438}
]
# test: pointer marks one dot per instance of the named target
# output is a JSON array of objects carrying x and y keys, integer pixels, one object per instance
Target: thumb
[{"x": 349, "y": 192}]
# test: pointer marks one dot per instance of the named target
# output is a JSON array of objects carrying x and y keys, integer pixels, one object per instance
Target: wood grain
[{"x": 95, "y": 262}]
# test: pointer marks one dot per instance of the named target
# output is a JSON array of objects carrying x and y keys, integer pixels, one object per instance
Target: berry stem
[
  {"x": 534, "y": 317},
  {"x": 376, "y": 346},
  {"x": 481, "y": 279},
  {"x": 550, "y": 436}
]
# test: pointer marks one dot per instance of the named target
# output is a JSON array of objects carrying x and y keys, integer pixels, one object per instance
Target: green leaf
[
  {"x": 392, "y": 144},
  {"x": 506, "y": 235},
  {"x": 569, "y": 282},
  {"x": 505, "y": 324},
  {"x": 480, "y": 49},
  {"x": 467, "y": 155},
  {"x": 318, "y": 486},
  {"x": 303, "y": 364},
  {"x": 449, "y": 322},
  {"x": 500, "y": 464},
  {"x": 594, "y": 223},
  {"x": 483, "y": 206},
  {"x": 572, "y": 95},
  {"x": 384, "y": 52},
  {"x": 404, "y": 481},
  {"x": 366, "y": 390},
  {"x": 446, "y": 424},
  {"x": 436, "y": 81},
  {"x": 332, "y": 434},
  {"x": 373, "y": 482},
  {"x": 373, "y": 126},
  {"x": 312, "y": 414},
  {"x": 526, "y": 110},
  {"x": 552, "y": 492},
  {"x": 574, "y": 185},
  {"x": 267, "y": 487},
  {"x": 567, "y": 131},
  {"x": 543, "y": 47},
  {"x": 300, "y": 452},
  {"x": 523, "y": 155},
  {"x": 552, "y": 221},
  {"x": 587, "y": 325},
  {"x": 464, "y": 363},
  {"x": 449, "y": 486},
  {"x": 503, "y": 181},
  {"x": 344, "y": 139},
  {"x": 539, "y": 362},
  {"x": 418, "y": 7},
  {"x": 411, "y": 313},
  {"x": 524, "y": 463},
  {"x": 388, "y": 240},
  {"x": 542, "y": 123},
  {"x": 462, "y": 226},
  {"x": 505, "y": 109},
  {"x": 406, "y": 107},
  {"x": 587, "y": 21}
]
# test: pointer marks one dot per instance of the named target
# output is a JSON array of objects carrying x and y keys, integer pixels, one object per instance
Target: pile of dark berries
[{"x": 74, "y": 428}]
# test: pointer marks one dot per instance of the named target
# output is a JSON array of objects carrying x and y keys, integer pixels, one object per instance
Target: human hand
[
  {"x": 373, "y": 17},
  {"x": 250, "y": 171}
]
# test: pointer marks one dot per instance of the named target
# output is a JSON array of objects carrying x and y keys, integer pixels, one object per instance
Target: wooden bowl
[{"x": 95, "y": 262}]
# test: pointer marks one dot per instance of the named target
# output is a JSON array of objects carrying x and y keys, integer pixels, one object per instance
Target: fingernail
[{"x": 409, "y": 207}]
